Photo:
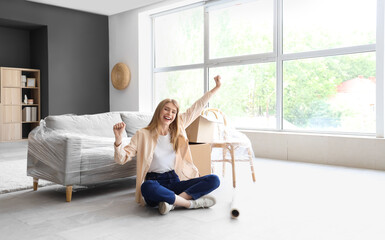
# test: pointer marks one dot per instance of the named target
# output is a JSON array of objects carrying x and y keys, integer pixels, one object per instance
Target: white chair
[{"x": 229, "y": 144}]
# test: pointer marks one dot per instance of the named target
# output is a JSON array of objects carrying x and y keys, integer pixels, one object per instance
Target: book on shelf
[
  {"x": 26, "y": 114},
  {"x": 33, "y": 114},
  {"x": 23, "y": 80},
  {"x": 29, "y": 114}
]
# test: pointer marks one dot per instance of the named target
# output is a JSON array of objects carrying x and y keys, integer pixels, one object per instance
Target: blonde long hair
[{"x": 174, "y": 126}]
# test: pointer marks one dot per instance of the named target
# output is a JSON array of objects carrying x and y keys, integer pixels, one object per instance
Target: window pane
[
  {"x": 241, "y": 29},
  {"x": 184, "y": 86},
  {"x": 323, "y": 24},
  {"x": 331, "y": 93},
  {"x": 247, "y": 95},
  {"x": 179, "y": 38}
]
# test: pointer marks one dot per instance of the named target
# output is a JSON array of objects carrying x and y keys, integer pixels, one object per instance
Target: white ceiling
[{"x": 103, "y": 7}]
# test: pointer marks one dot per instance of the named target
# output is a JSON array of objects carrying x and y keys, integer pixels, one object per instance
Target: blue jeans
[{"x": 162, "y": 187}]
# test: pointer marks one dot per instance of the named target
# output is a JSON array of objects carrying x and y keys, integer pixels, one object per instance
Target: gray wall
[
  {"x": 39, "y": 60},
  {"x": 77, "y": 55},
  {"x": 14, "y": 47}
]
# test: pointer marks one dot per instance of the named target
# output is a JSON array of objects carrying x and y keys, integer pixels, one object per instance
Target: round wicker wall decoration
[{"x": 120, "y": 76}]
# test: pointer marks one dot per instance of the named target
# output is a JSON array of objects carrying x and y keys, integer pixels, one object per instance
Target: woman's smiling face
[{"x": 168, "y": 113}]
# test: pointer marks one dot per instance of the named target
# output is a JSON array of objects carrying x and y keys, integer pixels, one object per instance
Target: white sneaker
[
  {"x": 164, "y": 208},
  {"x": 204, "y": 202}
]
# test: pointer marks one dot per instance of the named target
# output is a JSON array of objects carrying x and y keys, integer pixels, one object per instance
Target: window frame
[{"x": 279, "y": 58}]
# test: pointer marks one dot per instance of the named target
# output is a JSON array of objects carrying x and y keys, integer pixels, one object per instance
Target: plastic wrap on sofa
[{"x": 73, "y": 159}]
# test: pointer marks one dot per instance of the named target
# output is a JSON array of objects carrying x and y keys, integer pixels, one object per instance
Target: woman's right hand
[
  {"x": 218, "y": 83},
  {"x": 119, "y": 128}
]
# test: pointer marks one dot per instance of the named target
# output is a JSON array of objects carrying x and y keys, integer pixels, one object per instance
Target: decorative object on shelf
[
  {"x": 31, "y": 82},
  {"x": 30, "y": 101},
  {"x": 120, "y": 76},
  {"x": 23, "y": 80},
  {"x": 25, "y": 99}
]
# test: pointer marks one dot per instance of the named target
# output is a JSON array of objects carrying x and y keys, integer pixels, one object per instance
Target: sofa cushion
[
  {"x": 94, "y": 125},
  {"x": 135, "y": 121}
]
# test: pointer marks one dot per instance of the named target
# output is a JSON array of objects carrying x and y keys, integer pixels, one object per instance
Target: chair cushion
[
  {"x": 94, "y": 125},
  {"x": 135, "y": 121}
]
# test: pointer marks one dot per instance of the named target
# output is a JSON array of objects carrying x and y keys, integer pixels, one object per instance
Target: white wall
[
  {"x": 130, "y": 43},
  {"x": 131, "y": 46},
  {"x": 350, "y": 151},
  {"x": 123, "y": 32}
]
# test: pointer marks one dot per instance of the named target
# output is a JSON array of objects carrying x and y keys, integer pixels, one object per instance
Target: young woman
[{"x": 165, "y": 172}]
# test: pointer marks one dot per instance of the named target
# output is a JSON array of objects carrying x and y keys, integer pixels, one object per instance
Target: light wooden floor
[{"x": 288, "y": 201}]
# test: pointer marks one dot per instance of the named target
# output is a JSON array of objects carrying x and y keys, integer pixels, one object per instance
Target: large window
[
  {"x": 325, "y": 24},
  {"x": 296, "y": 65},
  {"x": 241, "y": 29},
  {"x": 185, "y": 86},
  {"x": 248, "y": 95},
  {"x": 179, "y": 38},
  {"x": 335, "y": 93}
]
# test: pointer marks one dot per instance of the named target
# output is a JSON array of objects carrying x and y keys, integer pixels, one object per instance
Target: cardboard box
[
  {"x": 201, "y": 155},
  {"x": 201, "y": 130}
]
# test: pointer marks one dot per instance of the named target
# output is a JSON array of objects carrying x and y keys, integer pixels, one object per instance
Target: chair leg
[
  {"x": 68, "y": 193},
  {"x": 35, "y": 184},
  {"x": 251, "y": 164},
  {"x": 233, "y": 164},
  {"x": 224, "y": 151}
]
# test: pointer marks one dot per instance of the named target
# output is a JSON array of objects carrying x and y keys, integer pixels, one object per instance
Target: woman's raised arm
[{"x": 195, "y": 110}]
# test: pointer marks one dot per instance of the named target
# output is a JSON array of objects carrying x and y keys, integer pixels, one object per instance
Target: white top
[{"x": 164, "y": 156}]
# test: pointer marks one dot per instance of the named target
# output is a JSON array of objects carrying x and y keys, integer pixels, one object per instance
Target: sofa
[{"x": 78, "y": 149}]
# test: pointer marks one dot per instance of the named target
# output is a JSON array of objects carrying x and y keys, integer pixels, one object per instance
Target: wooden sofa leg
[
  {"x": 35, "y": 184},
  {"x": 68, "y": 193}
]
